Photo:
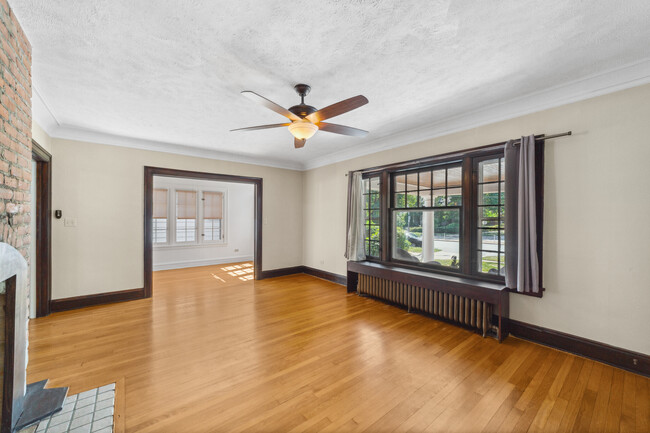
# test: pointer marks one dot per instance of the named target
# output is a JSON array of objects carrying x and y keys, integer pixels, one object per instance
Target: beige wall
[
  {"x": 597, "y": 214},
  {"x": 102, "y": 187},
  {"x": 41, "y": 137}
]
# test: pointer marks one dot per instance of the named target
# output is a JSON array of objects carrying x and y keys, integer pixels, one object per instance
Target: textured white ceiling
[{"x": 172, "y": 71}]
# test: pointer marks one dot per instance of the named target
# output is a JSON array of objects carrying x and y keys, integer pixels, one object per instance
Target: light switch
[{"x": 70, "y": 222}]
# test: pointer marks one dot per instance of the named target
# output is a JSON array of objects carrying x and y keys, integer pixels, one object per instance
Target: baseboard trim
[
  {"x": 281, "y": 272},
  {"x": 329, "y": 276},
  {"x": 76, "y": 302},
  {"x": 614, "y": 356},
  {"x": 198, "y": 263}
]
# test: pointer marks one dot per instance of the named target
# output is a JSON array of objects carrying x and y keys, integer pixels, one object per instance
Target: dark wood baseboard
[
  {"x": 97, "y": 299},
  {"x": 615, "y": 356},
  {"x": 281, "y": 272},
  {"x": 329, "y": 276}
]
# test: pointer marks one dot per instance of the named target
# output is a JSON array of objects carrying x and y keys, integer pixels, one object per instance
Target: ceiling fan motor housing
[{"x": 302, "y": 110}]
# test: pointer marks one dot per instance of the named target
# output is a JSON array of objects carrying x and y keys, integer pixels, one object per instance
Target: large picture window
[
  {"x": 443, "y": 214},
  {"x": 426, "y": 213}
]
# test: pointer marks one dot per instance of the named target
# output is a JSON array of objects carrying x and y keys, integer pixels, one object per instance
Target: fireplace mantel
[
  {"x": 12, "y": 263},
  {"x": 22, "y": 405},
  {"x": 14, "y": 274}
]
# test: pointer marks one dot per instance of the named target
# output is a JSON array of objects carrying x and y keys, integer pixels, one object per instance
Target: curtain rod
[
  {"x": 459, "y": 152},
  {"x": 540, "y": 137}
]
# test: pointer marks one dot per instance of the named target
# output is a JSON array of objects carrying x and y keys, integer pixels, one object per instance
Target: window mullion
[
  {"x": 384, "y": 229},
  {"x": 468, "y": 206}
]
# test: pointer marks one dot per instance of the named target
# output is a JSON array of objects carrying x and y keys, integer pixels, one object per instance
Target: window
[
  {"x": 185, "y": 216},
  {"x": 426, "y": 219},
  {"x": 444, "y": 213},
  {"x": 160, "y": 216},
  {"x": 212, "y": 216},
  {"x": 490, "y": 218},
  {"x": 372, "y": 210},
  {"x": 181, "y": 221}
]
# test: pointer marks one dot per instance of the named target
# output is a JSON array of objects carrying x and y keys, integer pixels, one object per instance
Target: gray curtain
[
  {"x": 354, "y": 248},
  {"x": 522, "y": 265}
]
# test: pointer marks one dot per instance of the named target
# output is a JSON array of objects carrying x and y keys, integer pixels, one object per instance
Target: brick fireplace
[
  {"x": 15, "y": 130},
  {"x": 15, "y": 160}
]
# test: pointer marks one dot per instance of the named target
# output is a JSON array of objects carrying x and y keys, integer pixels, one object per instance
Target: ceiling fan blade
[
  {"x": 340, "y": 129},
  {"x": 298, "y": 142},
  {"x": 338, "y": 108},
  {"x": 253, "y": 128},
  {"x": 269, "y": 104}
]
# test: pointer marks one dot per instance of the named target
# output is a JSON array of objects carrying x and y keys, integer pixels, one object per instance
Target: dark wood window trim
[
  {"x": 150, "y": 172},
  {"x": 468, "y": 159},
  {"x": 367, "y": 208},
  {"x": 475, "y": 163},
  {"x": 43, "y": 235}
]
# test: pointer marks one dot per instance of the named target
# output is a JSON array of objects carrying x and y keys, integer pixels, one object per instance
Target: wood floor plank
[
  {"x": 642, "y": 405},
  {"x": 628, "y": 410},
  {"x": 614, "y": 405},
  {"x": 603, "y": 391},
  {"x": 546, "y": 407},
  {"x": 213, "y": 351}
]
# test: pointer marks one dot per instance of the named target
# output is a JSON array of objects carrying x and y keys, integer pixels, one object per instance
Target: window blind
[
  {"x": 185, "y": 204},
  {"x": 212, "y": 205},
  {"x": 160, "y": 203}
]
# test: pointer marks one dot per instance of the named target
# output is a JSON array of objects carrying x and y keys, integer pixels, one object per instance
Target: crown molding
[
  {"x": 621, "y": 78},
  {"x": 51, "y": 125},
  {"x": 42, "y": 114},
  {"x": 625, "y": 77},
  {"x": 87, "y": 135}
]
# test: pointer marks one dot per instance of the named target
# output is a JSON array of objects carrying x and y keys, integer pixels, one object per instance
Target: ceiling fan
[{"x": 305, "y": 119}]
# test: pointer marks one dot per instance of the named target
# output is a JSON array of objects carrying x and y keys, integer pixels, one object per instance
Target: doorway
[
  {"x": 150, "y": 190},
  {"x": 41, "y": 229}
]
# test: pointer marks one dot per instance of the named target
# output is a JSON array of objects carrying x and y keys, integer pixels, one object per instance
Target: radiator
[{"x": 464, "y": 311}]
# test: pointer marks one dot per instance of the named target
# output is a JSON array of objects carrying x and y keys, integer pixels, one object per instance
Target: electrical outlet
[
  {"x": 236, "y": 250},
  {"x": 70, "y": 222},
  {"x": 322, "y": 262}
]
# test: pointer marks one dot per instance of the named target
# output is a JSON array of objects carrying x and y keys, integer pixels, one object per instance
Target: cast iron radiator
[{"x": 462, "y": 310}]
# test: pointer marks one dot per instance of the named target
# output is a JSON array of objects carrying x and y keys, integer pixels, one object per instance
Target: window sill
[
  {"x": 460, "y": 285},
  {"x": 439, "y": 270},
  {"x": 443, "y": 275}
]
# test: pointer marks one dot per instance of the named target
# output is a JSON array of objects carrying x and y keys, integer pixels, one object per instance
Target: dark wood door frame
[
  {"x": 43, "y": 235},
  {"x": 150, "y": 172}
]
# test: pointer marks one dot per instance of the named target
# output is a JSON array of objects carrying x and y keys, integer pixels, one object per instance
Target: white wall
[
  {"x": 102, "y": 188},
  {"x": 596, "y": 215},
  {"x": 238, "y": 226}
]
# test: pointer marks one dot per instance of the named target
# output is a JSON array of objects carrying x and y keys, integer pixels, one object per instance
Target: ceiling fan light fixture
[{"x": 302, "y": 129}]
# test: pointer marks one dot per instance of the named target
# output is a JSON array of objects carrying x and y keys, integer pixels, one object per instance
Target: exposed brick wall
[{"x": 15, "y": 128}]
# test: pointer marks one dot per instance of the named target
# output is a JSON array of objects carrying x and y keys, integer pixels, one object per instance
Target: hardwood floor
[{"x": 214, "y": 351}]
